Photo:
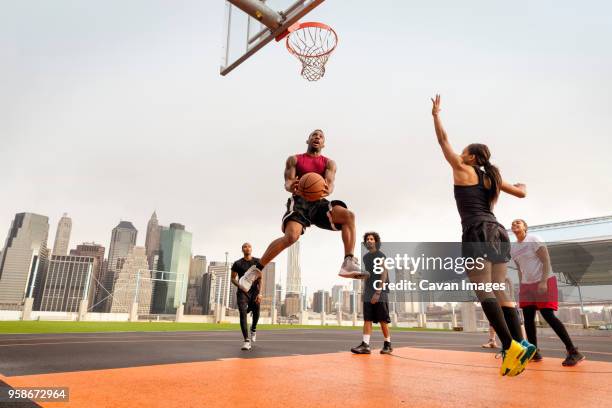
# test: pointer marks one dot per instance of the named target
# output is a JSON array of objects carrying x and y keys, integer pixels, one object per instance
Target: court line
[{"x": 407, "y": 343}]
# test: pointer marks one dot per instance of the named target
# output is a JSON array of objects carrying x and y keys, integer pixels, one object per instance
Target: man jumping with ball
[{"x": 330, "y": 215}]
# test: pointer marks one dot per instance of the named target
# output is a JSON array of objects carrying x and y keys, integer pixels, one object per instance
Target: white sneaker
[
  {"x": 253, "y": 336},
  {"x": 250, "y": 276},
  {"x": 350, "y": 269},
  {"x": 246, "y": 345}
]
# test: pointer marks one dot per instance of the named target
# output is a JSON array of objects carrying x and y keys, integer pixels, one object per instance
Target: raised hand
[{"x": 435, "y": 110}]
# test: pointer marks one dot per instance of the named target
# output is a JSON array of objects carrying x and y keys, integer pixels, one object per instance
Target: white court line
[{"x": 406, "y": 343}]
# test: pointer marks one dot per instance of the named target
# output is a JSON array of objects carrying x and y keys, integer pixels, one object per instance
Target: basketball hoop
[{"x": 312, "y": 44}]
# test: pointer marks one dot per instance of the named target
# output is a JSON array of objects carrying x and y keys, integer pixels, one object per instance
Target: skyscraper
[
  {"x": 207, "y": 294},
  {"x": 294, "y": 274},
  {"x": 123, "y": 238},
  {"x": 23, "y": 258},
  {"x": 67, "y": 282},
  {"x": 267, "y": 287},
  {"x": 221, "y": 271},
  {"x": 321, "y": 301},
  {"x": 96, "y": 251},
  {"x": 175, "y": 258},
  {"x": 62, "y": 236},
  {"x": 197, "y": 269},
  {"x": 152, "y": 240},
  {"x": 133, "y": 283},
  {"x": 278, "y": 298},
  {"x": 337, "y": 296}
]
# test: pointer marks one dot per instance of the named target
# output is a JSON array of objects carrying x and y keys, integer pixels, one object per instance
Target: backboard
[{"x": 251, "y": 24}]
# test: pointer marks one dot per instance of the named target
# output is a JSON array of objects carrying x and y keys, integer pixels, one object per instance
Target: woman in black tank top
[{"x": 477, "y": 185}]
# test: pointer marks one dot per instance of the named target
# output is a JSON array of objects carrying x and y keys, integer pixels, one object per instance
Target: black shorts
[
  {"x": 246, "y": 302},
  {"x": 311, "y": 212},
  {"x": 487, "y": 240},
  {"x": 376, "y": 313}
]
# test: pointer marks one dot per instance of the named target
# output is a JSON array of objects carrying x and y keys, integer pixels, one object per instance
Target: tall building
[
  {"x": 96, "y": 251},
  {"x": 292, "y": 306},
  {"x": 68, "y": 281},
  {"x": 278, "y": 293},
  {"x": 207, "y": 294},
  {"x": 337, "y": 296},
  {"x": 348, "y": 301},
  {"x": 304, "y": 298},
  {"x": 221, "y": 271},
  {"x": 133, "y": 283},
  {"x": 123, "y": 238},
  {"x": 321, "y": 301},
  {"x": 174, "y": 261},
  {"x": 62, "y": 236},
  {"x": 294, "y": 274},
  {"x": 23, "y": 259},
  {"x": 267, "y": 287},
  {"x": 152, "y": 240},
  {"x": 197, "y": 269}
]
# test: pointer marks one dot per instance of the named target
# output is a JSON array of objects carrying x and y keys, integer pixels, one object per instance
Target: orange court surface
[{"x": 438, "y": 370}]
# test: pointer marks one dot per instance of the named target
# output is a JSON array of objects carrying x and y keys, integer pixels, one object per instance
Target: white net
[{"x": 312, "y": 44}]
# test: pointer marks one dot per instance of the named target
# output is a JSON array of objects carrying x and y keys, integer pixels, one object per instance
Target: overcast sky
[{"x": 112, "y": 109}]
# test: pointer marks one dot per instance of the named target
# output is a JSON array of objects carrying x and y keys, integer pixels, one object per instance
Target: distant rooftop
[
  {"x": 126, "y": 225},
  {"x": 587, "y": 229}
]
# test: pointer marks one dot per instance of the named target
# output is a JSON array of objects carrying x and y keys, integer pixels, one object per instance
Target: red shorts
[{"x": 529, "y": 295}]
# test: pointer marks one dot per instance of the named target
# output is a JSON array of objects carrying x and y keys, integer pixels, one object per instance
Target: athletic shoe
[
  {"x": 253, "y": 336},
  {"x": 350, "y": 269},
  {"x": 511, "y": 358},
  {"x": 387, "y": 349},
  {"x": 573, "y": 358},
  {"x": 246, "y": 345},
  {"x": 530, "y": 351},
  {"x": 363, "y": 348},
  {"x": 489, "y": 344},
  {"x": 250, "y": 276},
  {"x": 537, "y": 357}
]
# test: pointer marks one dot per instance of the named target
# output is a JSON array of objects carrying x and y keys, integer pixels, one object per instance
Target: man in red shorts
[{"x": 538, "y": 289}]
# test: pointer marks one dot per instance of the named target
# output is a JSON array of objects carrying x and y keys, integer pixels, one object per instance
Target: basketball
[{"x": 311, "y": 186}]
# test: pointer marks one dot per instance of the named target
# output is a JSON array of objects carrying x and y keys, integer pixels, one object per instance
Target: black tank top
[{"x": 473, "y": 202}]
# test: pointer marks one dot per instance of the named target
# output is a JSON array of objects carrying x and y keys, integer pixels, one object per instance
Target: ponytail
[{"x": 482, "y": 154}]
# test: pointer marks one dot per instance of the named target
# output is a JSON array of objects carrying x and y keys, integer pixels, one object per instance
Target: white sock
[
  {"x": 388, "y": 339},
  {"x": 366, "y": 338}
]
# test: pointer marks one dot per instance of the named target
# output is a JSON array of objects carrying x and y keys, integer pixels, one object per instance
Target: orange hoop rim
[{"x": 299, "y": 26}]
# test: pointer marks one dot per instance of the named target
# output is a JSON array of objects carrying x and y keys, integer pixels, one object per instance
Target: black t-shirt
[
  {"x": 368, "y": 287},
  {"x": 241, "y": 266}
]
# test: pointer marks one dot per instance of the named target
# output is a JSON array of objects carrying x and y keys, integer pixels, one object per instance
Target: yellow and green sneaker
[{"x": 512, "y": 359}]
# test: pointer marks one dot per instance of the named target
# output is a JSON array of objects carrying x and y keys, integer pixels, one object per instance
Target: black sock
[
  {"x": 259, "y": 266},
  {"x": 348, "y": 256},
  {"x": 494, "y": 314},
  {"x": 558, "y": 327},
  {"x": 514, "y": 322},
  {"x": 529, "y": 313}
]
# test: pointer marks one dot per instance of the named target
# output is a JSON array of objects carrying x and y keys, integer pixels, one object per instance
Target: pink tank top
[{"x": 310, "y": 164}]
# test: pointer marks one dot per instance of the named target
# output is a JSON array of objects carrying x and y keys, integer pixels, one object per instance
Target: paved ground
[
  {"x": 47, "y": 353},
  {"x": 205, "y": 369}
]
